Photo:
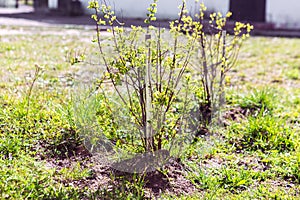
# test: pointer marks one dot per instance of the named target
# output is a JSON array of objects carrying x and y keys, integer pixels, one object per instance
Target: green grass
[
  {"x": 256, "y": 156},
  {"x": 23, "y": 178}
]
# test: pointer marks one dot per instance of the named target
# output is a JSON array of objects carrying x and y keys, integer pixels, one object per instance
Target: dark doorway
[
  {"x": 40, "y": 5},
  {"x": 248, "y": 10},
  {"x": 70, "y": 7}
]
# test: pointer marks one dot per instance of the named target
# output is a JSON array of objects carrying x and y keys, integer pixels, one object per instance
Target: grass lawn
[{"x": 255, "y": 156}]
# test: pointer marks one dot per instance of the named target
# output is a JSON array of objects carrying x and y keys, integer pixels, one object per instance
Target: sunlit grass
[{"x": 254, "y": 157}]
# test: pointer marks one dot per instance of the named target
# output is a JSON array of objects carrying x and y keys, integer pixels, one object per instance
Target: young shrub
[
  {"x": 148, "y": 74},
  {"x": 149, "y": 71},
  {"x": 217, "y": 54}
]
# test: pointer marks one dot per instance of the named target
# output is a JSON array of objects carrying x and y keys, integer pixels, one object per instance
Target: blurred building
[
  {"x": 65, "y": 7},
  {"x": 9, "y": 3},
  {"x": 282, "y": 14}
]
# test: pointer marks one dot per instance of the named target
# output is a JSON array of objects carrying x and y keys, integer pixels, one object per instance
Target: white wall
[
  {"x": 53, "y": 4},
  {"x": 8, "y": 3},
  {"x": 167, "y": 9},
  {"x": 284, "y": 14},
  {"x": 217, "y": 5}
]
